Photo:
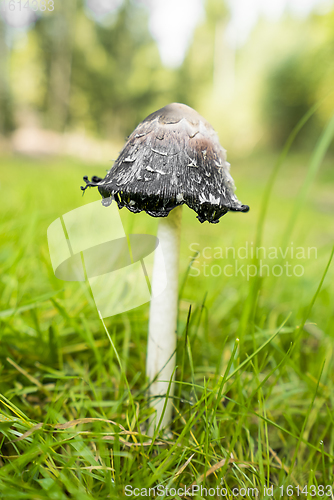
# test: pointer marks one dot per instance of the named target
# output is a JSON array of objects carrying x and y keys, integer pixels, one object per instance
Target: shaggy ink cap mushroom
[{"x": 172, "y": 158}]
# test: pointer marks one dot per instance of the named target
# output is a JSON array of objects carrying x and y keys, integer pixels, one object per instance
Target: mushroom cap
[{"x": 171, "y": 158}]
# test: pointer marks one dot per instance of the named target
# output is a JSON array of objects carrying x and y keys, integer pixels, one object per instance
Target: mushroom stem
[{"x": 161, "y": 355}]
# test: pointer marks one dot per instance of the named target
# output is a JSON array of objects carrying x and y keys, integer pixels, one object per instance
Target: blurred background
[{"x": 77, "y": 77}]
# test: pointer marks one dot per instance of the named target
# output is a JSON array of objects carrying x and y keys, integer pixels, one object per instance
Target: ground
[{"x": 254, "y": 398}]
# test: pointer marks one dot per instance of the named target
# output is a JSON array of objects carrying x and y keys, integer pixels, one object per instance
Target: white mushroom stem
[{"x": 160, "y": 363}]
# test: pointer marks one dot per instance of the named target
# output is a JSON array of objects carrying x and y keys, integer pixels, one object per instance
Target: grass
[{"x": 254, "y": 395}]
